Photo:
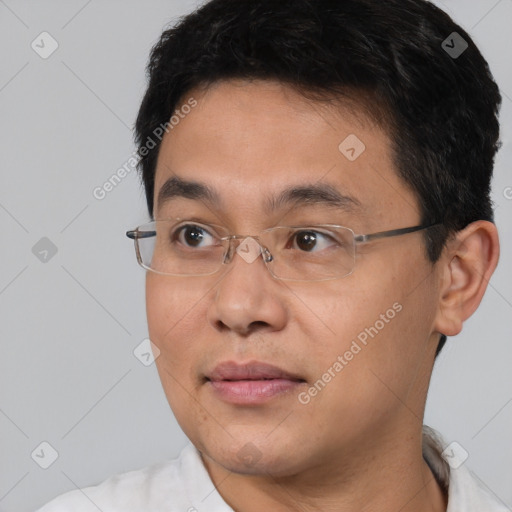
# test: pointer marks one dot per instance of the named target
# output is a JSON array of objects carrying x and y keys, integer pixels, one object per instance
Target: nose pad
[
  {"x": 229, "y": 253},
  {"x": 267, "y": 256}
]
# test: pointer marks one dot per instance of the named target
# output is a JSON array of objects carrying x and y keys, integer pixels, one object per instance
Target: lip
[
  {"x": 253, "y": 370},
  {"x": 251, "y": 383}
]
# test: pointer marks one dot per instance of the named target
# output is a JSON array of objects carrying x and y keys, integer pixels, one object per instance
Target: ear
[{"x": 466, "y": 267}]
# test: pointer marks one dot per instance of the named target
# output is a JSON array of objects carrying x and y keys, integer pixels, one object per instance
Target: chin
[{"x": 248, "y": 458}]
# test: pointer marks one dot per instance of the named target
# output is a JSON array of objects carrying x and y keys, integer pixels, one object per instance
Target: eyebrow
[{"x": 323, "y": 194}]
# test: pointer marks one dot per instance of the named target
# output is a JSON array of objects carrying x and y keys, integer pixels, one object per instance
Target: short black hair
[{"x": 391, "y": 57}]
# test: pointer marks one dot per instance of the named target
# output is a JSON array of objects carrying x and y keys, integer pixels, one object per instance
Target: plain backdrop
[{"x": 72, "y": 295}]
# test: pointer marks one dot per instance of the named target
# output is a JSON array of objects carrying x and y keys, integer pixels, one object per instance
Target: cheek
[
  {"x": 160, "y": 305},
  {"x": 172, "y": 313},
  {"x": 381, "y": 329},
  {"x": 172, "y": 310}
]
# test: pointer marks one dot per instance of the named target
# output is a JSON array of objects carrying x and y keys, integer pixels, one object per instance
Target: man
[{"x": 317, "y": 174}]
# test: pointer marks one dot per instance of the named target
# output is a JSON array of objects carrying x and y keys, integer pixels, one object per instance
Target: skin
[{"x": 357, "y": 444}]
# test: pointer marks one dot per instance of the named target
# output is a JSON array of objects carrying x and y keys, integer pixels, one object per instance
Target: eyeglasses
[{"x": 179, "y": 247}]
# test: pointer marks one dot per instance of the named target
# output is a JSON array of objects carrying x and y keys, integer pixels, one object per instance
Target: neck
[{"x": 395, "y": 477}]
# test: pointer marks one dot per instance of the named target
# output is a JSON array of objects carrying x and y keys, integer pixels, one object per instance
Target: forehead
[{"x": 252, "y": 141}]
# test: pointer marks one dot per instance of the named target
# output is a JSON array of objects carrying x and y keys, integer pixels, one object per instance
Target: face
[{"x": 354, "y": 354}]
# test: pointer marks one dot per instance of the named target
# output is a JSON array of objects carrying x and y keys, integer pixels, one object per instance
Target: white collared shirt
[{"x": 184, "y": 485}]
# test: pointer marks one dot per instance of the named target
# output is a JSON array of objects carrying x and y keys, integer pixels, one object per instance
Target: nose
[{"x": 247, "y": 297}]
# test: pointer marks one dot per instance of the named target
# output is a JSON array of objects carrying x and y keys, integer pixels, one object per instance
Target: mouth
[{"x": 251, "y": 383}]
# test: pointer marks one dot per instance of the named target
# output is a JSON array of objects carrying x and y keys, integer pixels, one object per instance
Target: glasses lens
[
  {"x": 311, "y": 253},
  {"x": 180, "y": 248},
  {"x": 299, "y": 253}
]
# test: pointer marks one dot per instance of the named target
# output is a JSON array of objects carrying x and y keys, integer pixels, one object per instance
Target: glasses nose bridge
[{"x": 232, "y": 248}]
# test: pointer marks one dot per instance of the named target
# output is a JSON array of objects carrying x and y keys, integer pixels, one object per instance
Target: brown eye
[
  {"x": 191, "y": 235},
  {"x": 308, "y": 240}
]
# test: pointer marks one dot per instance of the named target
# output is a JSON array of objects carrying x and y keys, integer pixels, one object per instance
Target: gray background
[{"x": 69, "y": 325}]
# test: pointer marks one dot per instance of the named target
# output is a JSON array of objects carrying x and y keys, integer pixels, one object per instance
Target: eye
[
  {"x": 192, "y": 235},
  {"x": 308, "y": 240}
]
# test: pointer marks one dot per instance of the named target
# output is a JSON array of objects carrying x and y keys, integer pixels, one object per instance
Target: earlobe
[{"x": 467, "y": 265}]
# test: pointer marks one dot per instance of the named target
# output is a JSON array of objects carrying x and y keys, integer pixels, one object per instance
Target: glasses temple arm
[
  {"x": 134, "y": 234},
  {"x": 393, "y": 232}
]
